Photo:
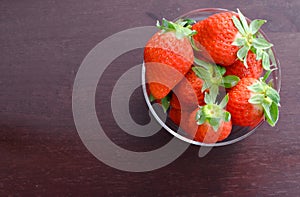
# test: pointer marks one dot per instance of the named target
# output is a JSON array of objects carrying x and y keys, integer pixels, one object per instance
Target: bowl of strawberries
[{"x": 214, "y": 74}]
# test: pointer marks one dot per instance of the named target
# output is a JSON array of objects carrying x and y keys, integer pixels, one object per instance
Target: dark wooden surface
[{"x": 42, "y": 46}]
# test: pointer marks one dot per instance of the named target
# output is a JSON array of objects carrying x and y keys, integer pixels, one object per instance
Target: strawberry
[
  {"x": 179, "y": 117},
  {"x": 251, "y": 100},
  {"x": 210, "y": 123},
  {"x": 151, "y": 97},
  {"x": 190, "y": 90},
  {"x": 174, "y": 102},
  {"x": 168, "y": 56},
  {"x": 227, "y": 36},
  {"x": 254, "y": 69},
  {"x": 175, "y": 115},
  {"x": 216, "y": 34}
]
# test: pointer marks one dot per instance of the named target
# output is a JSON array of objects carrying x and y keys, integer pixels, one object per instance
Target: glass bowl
[{"x": 238, "y": 133}]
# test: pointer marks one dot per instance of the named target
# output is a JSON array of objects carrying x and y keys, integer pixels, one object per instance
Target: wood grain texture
[{"x": 42, "y": 46}]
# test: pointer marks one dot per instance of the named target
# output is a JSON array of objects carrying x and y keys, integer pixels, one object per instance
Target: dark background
[{"x": 42, "y": 44}]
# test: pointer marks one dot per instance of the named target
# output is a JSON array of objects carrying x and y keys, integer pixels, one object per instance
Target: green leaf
[
  {"x": 213, "y": 92},
  {"x": 245, "y": 61},
  {"x": 181, "y": 28},
  {"x": 243, "y": 20},
  {"x": 168, "y": 24},
  {"x": 242, "y": 52},
  {"x": 256, "y": 99},
  {"x": 256, "y": 87},
  {"x": 185, "y": 31},
  {"x": 266, "y": 61},
  {"x": 259, "y": 53},
  {"x": 255, "y": 25},
  {"x": 165, "y": 102},
  {"x": 181, "y": 22},
  {"x": 179, "y": 35},
  {"x": 192, "y": 41},
  {"x": 261, "y": 43},
  {"x": 227, "y": 116},
  {"x": 272, "y": 58},
  {"x": 230, "y": 80},
  {"x": 208, "y": 98},
  {"x": 238, "y": 25},
  {"x": 273, "y": 95},
  {"x": 164, "y": 22},
  {"x": 266, "y": 108},
  {"x": 267, "y": 101},
  {"x": 215, "y": 123},
  {"x": 151, "y": 98},
  {"x": 239, "y": 42},
  {"x": 205, "y": 86},
  {"x": 201, "y": 120},
  {"x": 220, "y": 70},
  {"x": 274, "y": 113},
  {"x": 224, "y": 101},
  {"x": 202, "y": 63},
  {"x": 193, "y": 32},
  {"x": 158, "y": 24},
  {"x": 189, "y": 21},
  {"x": 200, "y": 117},
  {"x": 198, "y": 114},
  {"x": 201, "y": 73},
  {"x": 271, "y": 113}
]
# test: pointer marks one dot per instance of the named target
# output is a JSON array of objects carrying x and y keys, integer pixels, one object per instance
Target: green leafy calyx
[
  {"x": 267, "y": 97},
  {"x": 213, "y": 78},
  {"x": 250, "y": 39},
  {"x": 212, "y": 113},
  {"x": 182, "y": 29}
]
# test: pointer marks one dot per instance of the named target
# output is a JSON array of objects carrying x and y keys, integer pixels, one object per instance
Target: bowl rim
[{"x": 183, "y": 138}]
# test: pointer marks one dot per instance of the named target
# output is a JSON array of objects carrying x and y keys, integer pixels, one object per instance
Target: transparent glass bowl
[{"x": 238, "y": 133}]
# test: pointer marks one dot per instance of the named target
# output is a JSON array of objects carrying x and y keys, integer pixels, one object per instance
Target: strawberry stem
[{"x": 266, "y": 76}]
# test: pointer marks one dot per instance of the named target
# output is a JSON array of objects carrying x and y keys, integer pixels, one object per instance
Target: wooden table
[{"x": 42, "y": 46}]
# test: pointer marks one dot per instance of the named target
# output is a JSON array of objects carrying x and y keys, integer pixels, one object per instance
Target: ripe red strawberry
[
  {"x": 251, "y": 100},
  {"x": 210, "y": 123},
  {"x": 216, "y": 34},
  {"x": 190, "y": 90},
  {"x": 205, "y": 133},
  {"x": 227, "y": 36},
  {"x": 238, "y": 68},
  {"x": 175, "y": 115},
  {"x": 174, "y": 102},
  {"x": 168, "y": 56}
]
